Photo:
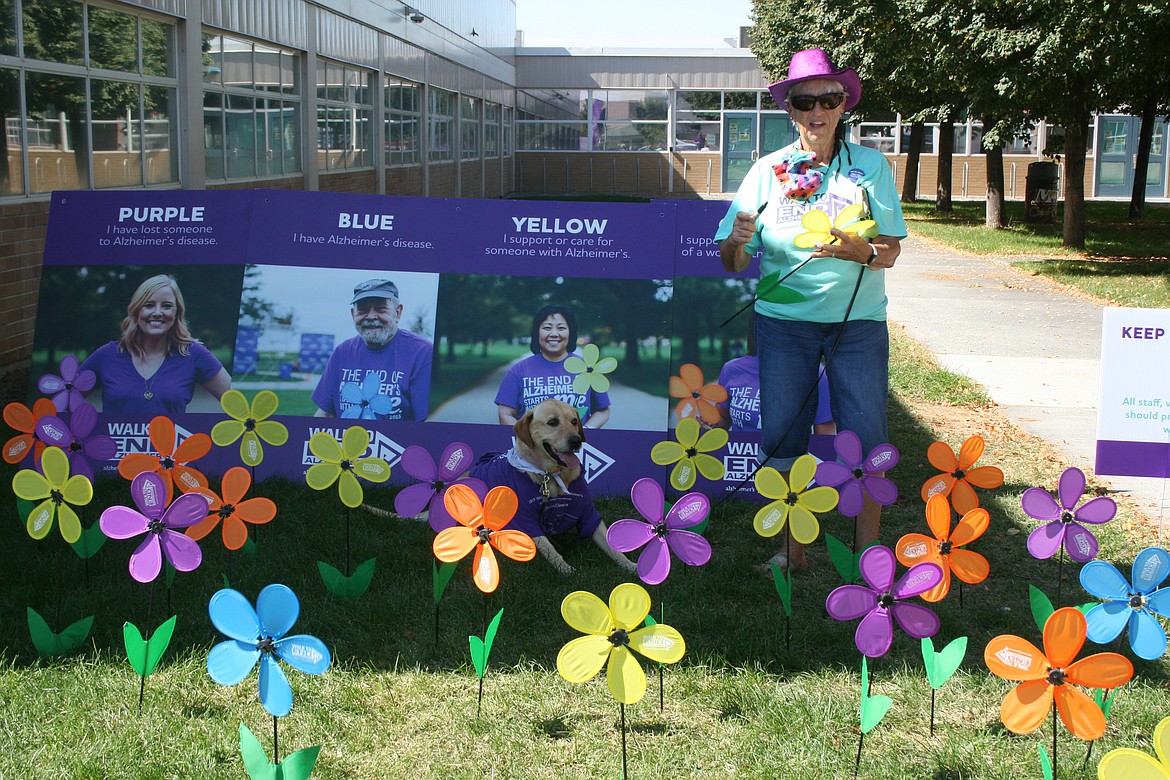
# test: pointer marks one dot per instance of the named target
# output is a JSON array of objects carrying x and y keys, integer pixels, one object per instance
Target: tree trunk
[
  {"x": 994, "y": 161},
  {"x": 946, "y": 159},
  {"x": 1076, "y": 120},
  {"x": 913, "y": 155},
  {"x": 1137, "y": 200}
]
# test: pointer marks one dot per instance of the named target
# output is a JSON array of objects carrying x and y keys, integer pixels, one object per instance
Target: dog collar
[{"x": 520, "y": 464}]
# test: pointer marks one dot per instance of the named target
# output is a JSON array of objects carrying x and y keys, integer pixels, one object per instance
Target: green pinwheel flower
[
  {"x": 343, "y": 464},
  {"x": 55, "y": 489},
  {"x": 250, "y": 422},
  {"x": 590, "y": 370},
  {"x": 689, "y": 454}
]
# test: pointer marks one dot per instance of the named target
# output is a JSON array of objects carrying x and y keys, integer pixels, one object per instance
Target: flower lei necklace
[{"x": 798, "y": 178}]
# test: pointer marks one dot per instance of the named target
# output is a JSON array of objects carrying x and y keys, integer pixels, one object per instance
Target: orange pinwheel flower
[
  {"x": 1052, "y": 674},
  {"x": 24, "y": 420},
  {"x": 959, "y": 479},
  {"x": 481, "y": 526},
  {"x": 233, "y": 509},
  {"x": 698, "y": 399},
  {"x": 171, "y": 462},
  {"x": 944, "y": 549}
]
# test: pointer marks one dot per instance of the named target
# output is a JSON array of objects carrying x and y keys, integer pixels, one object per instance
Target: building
[{"x": 378, "y": 96}]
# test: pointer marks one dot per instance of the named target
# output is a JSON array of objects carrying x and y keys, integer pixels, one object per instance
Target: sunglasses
[{"x": 828, "y": 101}]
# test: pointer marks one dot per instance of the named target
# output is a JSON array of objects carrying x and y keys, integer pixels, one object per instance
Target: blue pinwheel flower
[
  {"x": 259, "y": 635},
  {"x": 1133, "y": 604},
  {"x": 366, "y": 401}
]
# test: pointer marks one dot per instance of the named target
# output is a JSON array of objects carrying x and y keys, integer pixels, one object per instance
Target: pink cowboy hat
[{"x": 815, "y": 64}]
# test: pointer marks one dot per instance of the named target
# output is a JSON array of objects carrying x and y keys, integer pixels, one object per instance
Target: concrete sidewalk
[{"x": 1035, "y": 348}]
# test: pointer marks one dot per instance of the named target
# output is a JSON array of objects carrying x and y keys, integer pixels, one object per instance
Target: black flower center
[
  {"x": 156, "y": 527},
  {"x": 266, "y": 645},
  {"x": 588, "y": 369},
  {"x": 167, "y": 462},
  {"x": 695, "y": 394},
  {"x": 365, "y": 403},
  {"x": 858, "y": 473},
  {"x": 886, "y": 600},
  {"x": 619, "y": 637},
  {"x": 484, "y": 533},
  {"x": 1056, "y": 676},
  {"x": 1066, "y": 517},
  {"x": 661, "y": 530},
  {"x": 56, "y": 497},
  {"x": 438, "y": 486},
  {"x": 791, "y": 498},
  {"x": 68, "y": 385},
  {"x": 75, "y": 446},
  {"x": 692, "y": 452},
  {"x": 226, "y": 511},
  {"x": 346, "y": 465},
  {"x": 958, "y": 474},
  {"x": 945, "y": 547},
  {"x": 249, "y": 424},
  {"x": 1137, "y": 600}
]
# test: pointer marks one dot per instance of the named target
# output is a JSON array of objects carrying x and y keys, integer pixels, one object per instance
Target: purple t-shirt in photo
[
  {"x": 741, "y": 378},
  {"x": 404, "y": 366},
  {"x": 170, "y": 388},
  {"x": 534, "y": 379},
  {"x": 572, "y": 511}
]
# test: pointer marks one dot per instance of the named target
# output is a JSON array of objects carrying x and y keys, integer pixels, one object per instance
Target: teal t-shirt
[{"x": 826, "y": 282}]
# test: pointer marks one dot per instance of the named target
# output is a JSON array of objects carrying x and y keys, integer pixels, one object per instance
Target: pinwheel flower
[
  {"x": 249, "y": 421},
  {"x": 795, "y": 503},
  {"x": 24, "y": 420},
  {"x": 233, "y": 509},
  {"x": 883, "y": 599},
  {"x": 428, "y": 493},
  {"x": 1048, "y": 675},
  {"x": 590, "y": 370},
  {"x": 68, "y": 390},
  {"x": 1064, "y": 519},
  {"x": 960, "y": 478},
  {"x": 612, "y": 632},
  {"x": 259, "y": 635},
  {"x": 162, "y": 537},
  {"x": 343, "y": 464},
  {"x": 818, "y": 224},
  {"x": 1130, "y": 604},
  {"x": 689, "y": 454},
  {"x": 662, "y": 534},
  {"x": 481, "y": 526},
  {"x": 74, "y": 438},
  {"x": 365, "y": 401},
  {"x": 53, "y": 489},
  {"x": 854, "y": 477},
  {"x": 698, "y": 400},
  {"x": 1130, "y": 764},
  {"x": 171, "y": 461},
  {"x": 945, "y": 548}
]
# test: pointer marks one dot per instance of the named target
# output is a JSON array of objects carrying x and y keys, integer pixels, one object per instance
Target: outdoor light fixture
[{"x": 414, "y": 15}]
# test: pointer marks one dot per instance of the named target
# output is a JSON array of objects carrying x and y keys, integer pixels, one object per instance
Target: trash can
[
  {"x": 1041, "y": 191},
  {"x": 286, "y": 370}
]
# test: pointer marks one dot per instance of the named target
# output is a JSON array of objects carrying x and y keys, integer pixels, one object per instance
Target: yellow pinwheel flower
[
  {"x": 590, "y": 370},
  {"x": 343, "y": 464},
  {"x": 611, "y": 635},
  {"x": 688, "y": 454},
  {"x": 249, "y": 421},
  {"x": 1131, "y": 764},
  {"x": 795, "y": 503},
  {"x": 53, "y": 489},
  {"x": 817, "y": 223}
]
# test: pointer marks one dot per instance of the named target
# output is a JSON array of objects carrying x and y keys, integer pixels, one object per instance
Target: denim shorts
[{"x": 790, "y": 360}]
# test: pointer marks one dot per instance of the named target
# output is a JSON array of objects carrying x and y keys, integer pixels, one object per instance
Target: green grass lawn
[{"x": 743, "y": 703}]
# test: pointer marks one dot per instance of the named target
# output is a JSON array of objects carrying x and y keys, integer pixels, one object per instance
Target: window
[
  {"x": 601, "y": 120},
  {"x": 345, "y": 115},
  {"x": 251, "y": 109},
  {"x": 441, "y": 133},
  {"x": 491, "y": 130},
  {"x": 402, "y": 103},
  {"x": 469, "y": 126}
]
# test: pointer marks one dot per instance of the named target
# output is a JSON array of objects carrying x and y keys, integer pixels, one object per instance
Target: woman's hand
[
  {"x": 854, "y": 248},
  {"x": 731, "y": 249}
]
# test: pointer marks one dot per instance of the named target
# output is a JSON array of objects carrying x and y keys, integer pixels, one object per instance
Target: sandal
[{"x": 781, "y": 560}]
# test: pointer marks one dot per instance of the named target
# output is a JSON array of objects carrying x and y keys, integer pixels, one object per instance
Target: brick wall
[
  {"x": 22, "y": 243},
  {"x": 348, "y": 181},
  {"x": 443, "y": 180},
  {"x": 404, "y": 181}
]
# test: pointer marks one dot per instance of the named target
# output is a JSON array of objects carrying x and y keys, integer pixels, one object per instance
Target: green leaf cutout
[
  {"x": 941, "y": 665},
  {"x": 24, "y": 508},
  {"x": 143, "y": 654},
  {"x": 783, "y": 582},
  {"x": 873, "y": 708},
  {"x": 844, "y": 561},
  {"x": 1045, "y": 763},
  {"x": 92, "y": 539},
  {"x": 1104, "y": 704},
  {"x": 350, "y": 587},
  {"x": 1042, "y": 608},
  {"x": 650, "y": 621},
  {"x": 226, "y": 582},
  {"x": 440, "y": 576},
  {"x": 49, "y": 643},
  {"x": 249, "y": 547},
  {"x": 771, "y": 291},
  {"x": 296, "y": 766},
  {"x": 482, "y": 648},
  {"x": 1084, "y": 608},
  {"x": 170, "y": 570}
]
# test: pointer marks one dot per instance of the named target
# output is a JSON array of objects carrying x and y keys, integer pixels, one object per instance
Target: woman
[
  {"x": 154, "y": 367},
  {"x": 533, "y": 379},
  {"x": 842, "y": 318}
]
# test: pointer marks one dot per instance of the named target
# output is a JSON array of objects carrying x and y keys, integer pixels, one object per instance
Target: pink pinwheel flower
[
  {"x": 884, "y": 598},
  {"x": 74, "y": 438},
  {"x": 854, "y": 477},
  {"x": 662, "y": 534},
  {"x": 1064, "y": 519},
  {"x": 162, "y": 539},
  {"x": 434, "y": 480},
  {"x": 68, "y": 390}
]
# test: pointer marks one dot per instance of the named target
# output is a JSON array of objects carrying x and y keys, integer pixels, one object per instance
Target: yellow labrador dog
[{"x": 544, "y": 470}]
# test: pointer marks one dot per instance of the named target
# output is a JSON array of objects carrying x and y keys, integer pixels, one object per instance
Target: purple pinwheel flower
[
  {"x": 662, "y": 534},
  {"x": 74, "y": 438},
  {"x": 434, "y": 481},
  {"x": 366, "y": 399},
  {"x": 68, "y": 389},
  {"x": 883, "y": 598},
  {"x": 854, "y": 477},
  {"x": 150, "y": 496},
  {"x": 1064, "y": 519}
]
